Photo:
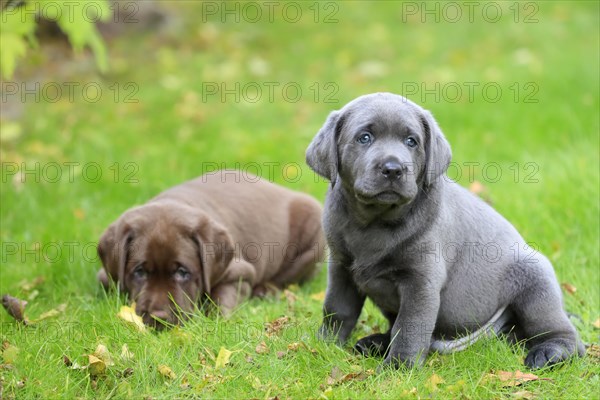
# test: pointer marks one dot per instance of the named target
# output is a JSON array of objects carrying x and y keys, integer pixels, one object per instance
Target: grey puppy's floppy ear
[
  {"x": 321, "y": 154},
  {"x": 437, "y": 149}
]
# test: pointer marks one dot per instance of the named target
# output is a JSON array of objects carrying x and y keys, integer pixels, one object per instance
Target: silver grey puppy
[{"x": 441, "y": 264}]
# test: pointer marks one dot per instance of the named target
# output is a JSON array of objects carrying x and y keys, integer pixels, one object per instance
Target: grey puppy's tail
[{"x": 497, "y": 324}]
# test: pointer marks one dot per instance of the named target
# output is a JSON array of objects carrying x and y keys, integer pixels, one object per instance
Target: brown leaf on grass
[
  {"x": 568, "y": 287},
  {"x": 274, "y": 327},
  {"x": 295, "y": 346},
  {"x": 523, "y": 394},
  {"x": 515, "y": 378},
  {"x": 127, "y": 372},
  {"x": 261, "y": 348},
  {"x": 15, "y": 308},
  {"x": 223, "y": 357},
  {"x": 594, "y": 352},
  {"x": 433, "y": 382},
  {"x": 166, "y": 372},
  {"x": 334, "y": 376},
  {"x": 67, "y": 361},
  {"x": 281, "y": 354},
  {"x": 597, "y": 323},
  {"x": 290, "y": 297}
]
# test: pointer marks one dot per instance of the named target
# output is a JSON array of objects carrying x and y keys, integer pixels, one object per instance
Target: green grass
[{"x": 172, "y": 134}]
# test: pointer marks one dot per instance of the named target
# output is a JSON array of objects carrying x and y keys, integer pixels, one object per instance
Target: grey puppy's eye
[
  {"x": 182, "y": 273},
  {"x": 410, "y": 141},
  {"x": 364, "y": 138},
  {"x": 139, "y": 272}
]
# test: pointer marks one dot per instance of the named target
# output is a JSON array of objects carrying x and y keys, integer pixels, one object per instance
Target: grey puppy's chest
[{"x": 378, "y": 265}]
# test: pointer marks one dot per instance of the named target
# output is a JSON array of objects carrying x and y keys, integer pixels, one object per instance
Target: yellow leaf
[
  {"x": 52, "y": 313},
  {"x": 223, "y": 357},
  {"x": 103, "y": 354},
  {"x": 96, "y": 365},
  {"x": 10, "y": 353},
  {"x": 125, "y": 353},
  {"x": 128, "y": 314},
  {"x": 318, "y": 296},
  {"x": 434, "y": 381},
  {"x": 166, "y": 372},
  {"x": 597, "y": 323}
]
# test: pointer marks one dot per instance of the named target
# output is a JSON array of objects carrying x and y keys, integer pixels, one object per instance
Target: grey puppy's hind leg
[{"x": 551, "y": 338}]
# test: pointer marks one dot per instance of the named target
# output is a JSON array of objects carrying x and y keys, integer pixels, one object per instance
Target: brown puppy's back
[{"x": 265, "y": 220}]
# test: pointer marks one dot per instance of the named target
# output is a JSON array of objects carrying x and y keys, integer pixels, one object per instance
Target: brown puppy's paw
[{"x": 263, "y": 290}]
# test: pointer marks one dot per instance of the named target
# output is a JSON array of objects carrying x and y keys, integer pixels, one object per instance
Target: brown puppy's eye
[
  {"x": 182, "y": 273},
  {"x": 139, "y": 272}
]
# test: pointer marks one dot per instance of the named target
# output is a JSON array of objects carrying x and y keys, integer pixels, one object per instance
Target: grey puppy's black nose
[{"x": 391, "y": 170}]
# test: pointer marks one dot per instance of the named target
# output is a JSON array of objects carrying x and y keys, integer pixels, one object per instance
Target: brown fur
[{"x": 227, "y": 235}]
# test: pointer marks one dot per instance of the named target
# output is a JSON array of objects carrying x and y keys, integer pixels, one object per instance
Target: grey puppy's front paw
[
  {"x": 376, "y": 345},
  {"x": 546, "y": 354}
]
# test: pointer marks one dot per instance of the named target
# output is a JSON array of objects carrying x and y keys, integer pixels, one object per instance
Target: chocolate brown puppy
[{"x": 226, "y": 235}]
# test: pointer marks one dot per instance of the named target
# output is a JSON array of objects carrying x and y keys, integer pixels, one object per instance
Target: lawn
[{"x": 514, "y": 86}]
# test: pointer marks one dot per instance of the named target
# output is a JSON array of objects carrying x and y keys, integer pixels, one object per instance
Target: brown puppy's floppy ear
[
  {"x": 321, "y": 154},
  {"x": 437, "y": 149},
  {"x": 113, "y": 249},
  {"x": 216, "y": 249}
]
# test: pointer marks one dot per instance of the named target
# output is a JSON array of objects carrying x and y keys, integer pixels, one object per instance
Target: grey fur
[{"x": 442, "y": 265}]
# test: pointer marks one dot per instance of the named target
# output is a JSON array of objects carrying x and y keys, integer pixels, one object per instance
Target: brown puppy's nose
[
  {"x": 154, "y": 318},
  {"x": 392, "y": 170}
]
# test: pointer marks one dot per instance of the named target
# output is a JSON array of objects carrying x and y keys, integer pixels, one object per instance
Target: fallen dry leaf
[
  {"x": 513, "y": 378},
  {"x": 52, "y": 313},
  {"x": 294, "y": 346},
  {"x": 128, "y": 314},
  {"x": 79, "y": 213},
  {"x": 10, "y": 353},
  {"x": 434, "y": 381},
  {"x": 96, "y": 366},
  {"x": 412, "y": 392},
  {"x": 103, "y": 354},
  {"x": 166, "y": 372},
  {"x": 477, "y": 187},
  {"x": 334, "y": 376},
  {"x": 280, "y": 354},
  {"x": 274, "y": 327},
  {"x": 67, "y": 361},
  {"x": 223, "y": 357},
  {"x": 127, "y": 372},
  {"x": 262, "y": 348},
  {"x": 597, "y": 323},
  {"x": 523, "y": 394},
  {"x": 593, "y": 351},
  {"x": 126, "y": 355},
  {"x": 15, "y": 308},
  {"x": 568, "y": 287},
  {"x": 318, "y": 296},
  {"x": 28, "y": 286},
  {"x": 290, "y": 297}
]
